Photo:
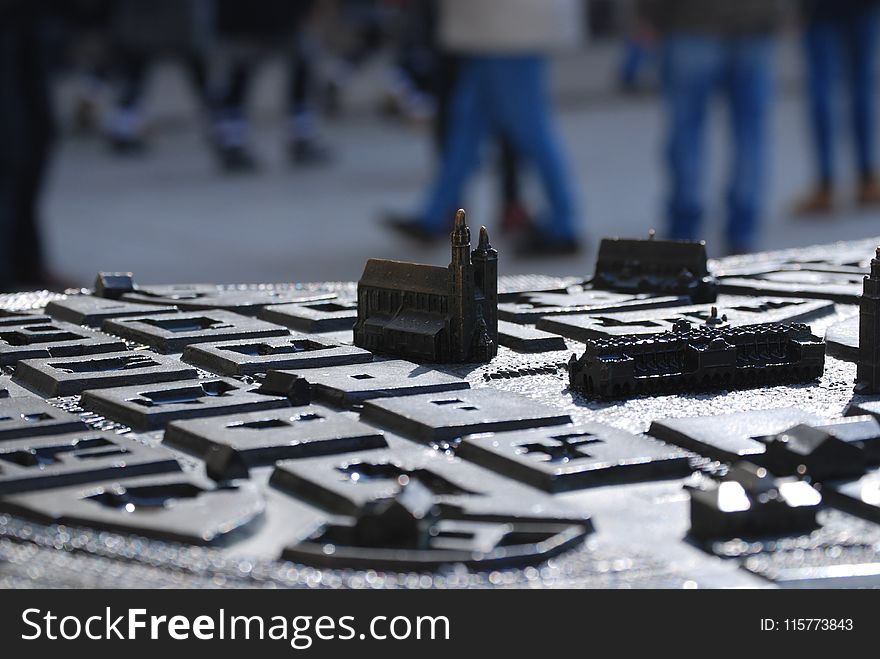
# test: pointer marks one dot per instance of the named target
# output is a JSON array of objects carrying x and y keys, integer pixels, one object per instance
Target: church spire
[
  {"x": 483, "y": 244},
  {"x": 461, "y": 235}
]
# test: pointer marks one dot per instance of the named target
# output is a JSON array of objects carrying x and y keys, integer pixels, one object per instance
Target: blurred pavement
[{"x": 172, "y": 216}]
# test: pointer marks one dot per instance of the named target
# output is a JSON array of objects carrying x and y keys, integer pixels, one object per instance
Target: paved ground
[{"x": 171, "y": 216}]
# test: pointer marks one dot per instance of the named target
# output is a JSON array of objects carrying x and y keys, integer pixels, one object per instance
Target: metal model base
[{"x": 138, "y": 449}]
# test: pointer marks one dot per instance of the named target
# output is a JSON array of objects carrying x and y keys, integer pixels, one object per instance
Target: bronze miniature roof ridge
[{"x": 405, "y": 276}]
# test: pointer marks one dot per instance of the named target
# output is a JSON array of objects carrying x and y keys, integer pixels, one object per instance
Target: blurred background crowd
[{"x": 289, "y": 140}]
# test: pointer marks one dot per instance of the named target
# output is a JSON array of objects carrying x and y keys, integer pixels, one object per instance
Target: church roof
[
  {"x": 398, "y": 275},
  {"x": 411, "y": 322}
]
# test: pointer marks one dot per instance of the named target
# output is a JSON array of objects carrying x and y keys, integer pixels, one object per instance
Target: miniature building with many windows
[
  {"x": 429, "y": 313},
  {"x": 697, "y": 359}
]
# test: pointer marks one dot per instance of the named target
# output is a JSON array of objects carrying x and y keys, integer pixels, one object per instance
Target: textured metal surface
[{"x": 639, "y": 526}]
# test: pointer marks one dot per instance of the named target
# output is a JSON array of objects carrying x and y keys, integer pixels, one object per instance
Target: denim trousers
[
  {"x": 695, "y": 68},
  {"x": 843, "y": 42},
  {"x": 502, "y": 96}
]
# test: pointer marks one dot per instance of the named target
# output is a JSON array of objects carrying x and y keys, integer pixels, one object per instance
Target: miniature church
[{"x": 429, "y": 313}]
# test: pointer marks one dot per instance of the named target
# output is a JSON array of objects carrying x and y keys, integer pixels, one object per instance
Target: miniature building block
[
  {"x": 8, "y": 389},
  {"x": 842, "y": 339},
  {"x": 751, "y": 502},
  {"x": 729, "y": 437},
  {"x": 731, "y": 312},
  {"x": 860, "y": 410},
  {"x": 171, "y": 507},
  {"x": 223, "y": 464},
  {"x": 292, "y": 387},
  {"x": 261, "y": 355},
  {"x": 704, "y": 358},
  {"x": 511, "y": 287},
  {"x": 92, "y": 311},
  {"x": 662, "y": 267},
  {"x": 432, "y": 314},
  {"x": 523, "y": 338},
  {"x": 563, "y": 458},
  {"x": 151, "y": 406},
  {"x": 802, "y": 282},
  {"x": 113, "y": 285},
  {"x": 859, "y": 496},
  {"x": 24, "y": 319},
  {"x": 434, "y": 417},
  {"x": 170, "y": 333},
  {"x": 531, "y": 307},
  {"x": 69, "y": 376},
  {"x": 351, "y": 385},
  {"x": 73, "y": 458},
  {"x": 245, "y": 300},
  {"x": 52, "y": 339},
  {"x": 404, "y": 521},
  {"x": 478, "y": 545},
  {"x": 28, "y": 417},
  {"x": 860, "y": 431},
  {"x": 265, "y": 437},
  {"x": 313, "y": 317},
  {"x": 806, "y": 451},
  {"x": 868, "y": 370},
  {"x": 347, "y": 484}
]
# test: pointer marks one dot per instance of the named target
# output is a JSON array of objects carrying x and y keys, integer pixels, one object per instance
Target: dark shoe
[
  {"x": 537, "y": 243},
  {"x": 236, "y": 159},
  {"x": 817, "y": 202},
  {"x": 332, "y": 99},
  {"x": 309, "y": 153},
  {"x": 85, "y": 116},
  {"x": 414, "y": 229}
]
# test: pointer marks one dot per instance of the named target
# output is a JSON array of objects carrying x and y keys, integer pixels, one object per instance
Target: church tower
[
  {"x": 485, "y": 260},
  {"x": 461, "y": 280},
  {"x": 868, "y": 371}
]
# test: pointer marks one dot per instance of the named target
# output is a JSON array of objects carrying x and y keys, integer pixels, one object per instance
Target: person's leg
[
  {"x": 691, "y": 69},
  {"x": 39, "y": 130},
  {"x": 26, "y": 134},
  {"x": 415, "y": 61},
  {"x": 860, "y": 36},
  {"x": 125, "y": 127},
  {"x": 822, "y": 59},
  {"x": 520, "y": 97},
  {"x": 514, "y": 215},
  {"x": 197, "y": 70},
  {"x": 231, "y": 126},
  {"x": 445, "y": 82},
  {"x": 468, "y": 125},
  {"x": 749, "y": 79},
  {"x": 10, "y": 147},
  {"x": 305, "y": 147}
]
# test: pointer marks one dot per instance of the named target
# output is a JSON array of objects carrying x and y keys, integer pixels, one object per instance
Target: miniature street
[{"x": 170, "y": 215}]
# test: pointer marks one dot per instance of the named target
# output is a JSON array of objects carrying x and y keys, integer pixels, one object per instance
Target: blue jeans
[
  {"x": 695, "y": 67},
  {"x": 845, "y": 37},
  {"x": 509, "y": 96},
  {"x": 637, "y": 62}
]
